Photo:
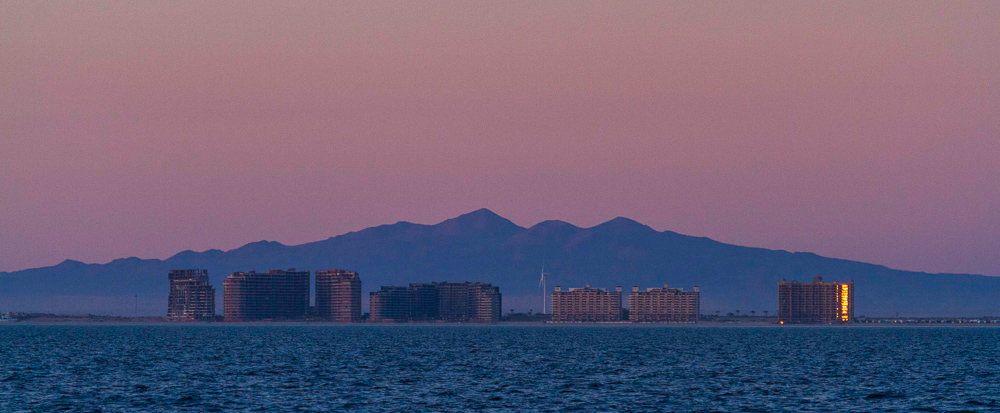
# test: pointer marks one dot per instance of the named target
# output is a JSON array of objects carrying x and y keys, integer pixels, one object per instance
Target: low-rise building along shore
[
  {"x": 664, "y": 305},
  {"x": 586, "y": 305}
]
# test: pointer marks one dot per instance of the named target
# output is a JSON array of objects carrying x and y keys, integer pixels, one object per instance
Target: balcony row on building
[
  {"x": 272, "y": 295},
  {"x": 654, "y": 305}
]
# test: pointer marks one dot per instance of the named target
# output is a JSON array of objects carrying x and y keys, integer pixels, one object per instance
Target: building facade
[
  {"x": 815, "y": 302},
  {"x": 274, "y": 295},
  {"x": 390, "y": 304},
  {"x": 484, "y": 303},
  {"x": 664, "y": 305},
  {"x": 338, "y": 296},
  {"x": 586, "y": 305},
  {"x": 191, "y": 297},
  {"x": 451, "y": 302}
]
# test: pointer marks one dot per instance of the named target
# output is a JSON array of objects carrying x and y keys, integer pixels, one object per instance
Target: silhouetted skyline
[{"x": 492, "y": 249}]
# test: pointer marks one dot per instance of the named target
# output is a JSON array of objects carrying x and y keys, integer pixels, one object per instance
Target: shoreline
[{"x": 65, "y": 322}]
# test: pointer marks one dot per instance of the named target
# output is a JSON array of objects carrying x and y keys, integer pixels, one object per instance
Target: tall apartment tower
[
  {"x": 338, "y": 295},
  {"x": 390, "y": 304},
  {"x": 664, "y": 305},
  {"x": 586, "y": 305},
  {"x": 815, "y": 302},
  {"x": 484, "y": 303},
  {"x": 423, "y": 301},
  {"x": 191, "y": 297},
  {"x": 452, "y": 302},
  {"x": 274, "y": 295}
]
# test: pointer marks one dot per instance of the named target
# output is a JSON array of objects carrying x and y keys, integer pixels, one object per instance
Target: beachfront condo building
[
  {"x": 438, "y": 301},
  {"x": 586, "y": 305},
  {"x": 815, "y": 302},
  {"x": 274, "y": 295},
  {"x": 191, "y": 297},
  {"x": 338, "y": 296},
  {"x": 664, "y": 305}
]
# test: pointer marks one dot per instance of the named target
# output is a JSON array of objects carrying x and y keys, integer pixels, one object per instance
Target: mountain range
[{"x": 483, "y": 246}]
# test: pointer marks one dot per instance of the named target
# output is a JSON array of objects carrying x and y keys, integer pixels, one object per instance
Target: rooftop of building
[
  {"x": 587, "y": 288},
  {"x": 816, "y": 280}
]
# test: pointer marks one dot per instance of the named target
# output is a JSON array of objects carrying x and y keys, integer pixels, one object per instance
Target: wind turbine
[{"x": 541, "y": 283}]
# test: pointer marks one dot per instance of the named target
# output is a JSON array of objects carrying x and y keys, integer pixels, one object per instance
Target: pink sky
[{"x": 860, "y": 130}]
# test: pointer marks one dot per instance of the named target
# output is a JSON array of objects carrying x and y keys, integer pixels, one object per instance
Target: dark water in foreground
[{"x": 459, "y": 368}]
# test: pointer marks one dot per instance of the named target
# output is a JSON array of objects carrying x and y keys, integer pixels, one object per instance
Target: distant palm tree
[
  {"x": 765, "y": 313},
  {"x": 753, "y": 312},
  {"x": 716, "y": 313},
  {"x": 737, "y": 313}
]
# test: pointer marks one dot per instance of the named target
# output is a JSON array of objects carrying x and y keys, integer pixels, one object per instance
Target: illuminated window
[{"x": 843, "y": 302}]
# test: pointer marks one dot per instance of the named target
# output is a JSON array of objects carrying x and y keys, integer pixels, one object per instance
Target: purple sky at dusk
[{"x": 860, "y": 130}]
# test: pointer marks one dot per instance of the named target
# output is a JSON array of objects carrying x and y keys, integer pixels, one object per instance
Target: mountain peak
[
  {"x": 622, "y": 223},
  {"x": 70, "y": 262},
  {"x": 183, "y": 255},
  {"x": 482, "y": 213},
  {"x": 479, "y": 220},
  {"x": 554, "y": 223},
  {"x": 260, "y": 246}
]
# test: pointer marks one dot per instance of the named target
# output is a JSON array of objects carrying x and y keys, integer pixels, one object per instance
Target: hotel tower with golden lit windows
[{"x": 815, "y": 302}]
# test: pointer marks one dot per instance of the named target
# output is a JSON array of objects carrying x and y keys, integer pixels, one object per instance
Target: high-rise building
[
  {"x": 815, "y": 302},
  {"x": 191, "y": 297},
  {"x": 586, "y": 305},
  {"x": 672, "y": 305},
  {"x": 338, "y": 296},
  {"x": 424, "y": 302},
  {"x": 274, "y": 295},
  {"x": 453, "y": 302},
  {"x": 484, "y": 303},
  {"x": 391, "y": 304}
]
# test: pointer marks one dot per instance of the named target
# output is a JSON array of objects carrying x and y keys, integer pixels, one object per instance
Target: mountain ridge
[{"x": 484, "y": 246}]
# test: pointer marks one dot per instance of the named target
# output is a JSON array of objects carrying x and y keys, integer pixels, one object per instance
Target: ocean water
[{"x": 498, "y": 368}]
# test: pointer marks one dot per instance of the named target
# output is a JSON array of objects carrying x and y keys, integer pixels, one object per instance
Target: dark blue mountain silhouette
[{"x": 483, "y": 246}]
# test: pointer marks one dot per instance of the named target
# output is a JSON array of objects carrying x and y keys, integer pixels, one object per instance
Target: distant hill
[{"x": 483, "y": 246}]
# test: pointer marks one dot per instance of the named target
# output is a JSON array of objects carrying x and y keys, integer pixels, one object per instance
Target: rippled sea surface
[{"x": 500, "y": 368}]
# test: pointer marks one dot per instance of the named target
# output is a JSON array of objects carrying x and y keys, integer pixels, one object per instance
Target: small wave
[{"x": 887, "y": 395}]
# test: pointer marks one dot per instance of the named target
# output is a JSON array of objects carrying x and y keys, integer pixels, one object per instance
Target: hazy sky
[{"x": 859, "y": 130}]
